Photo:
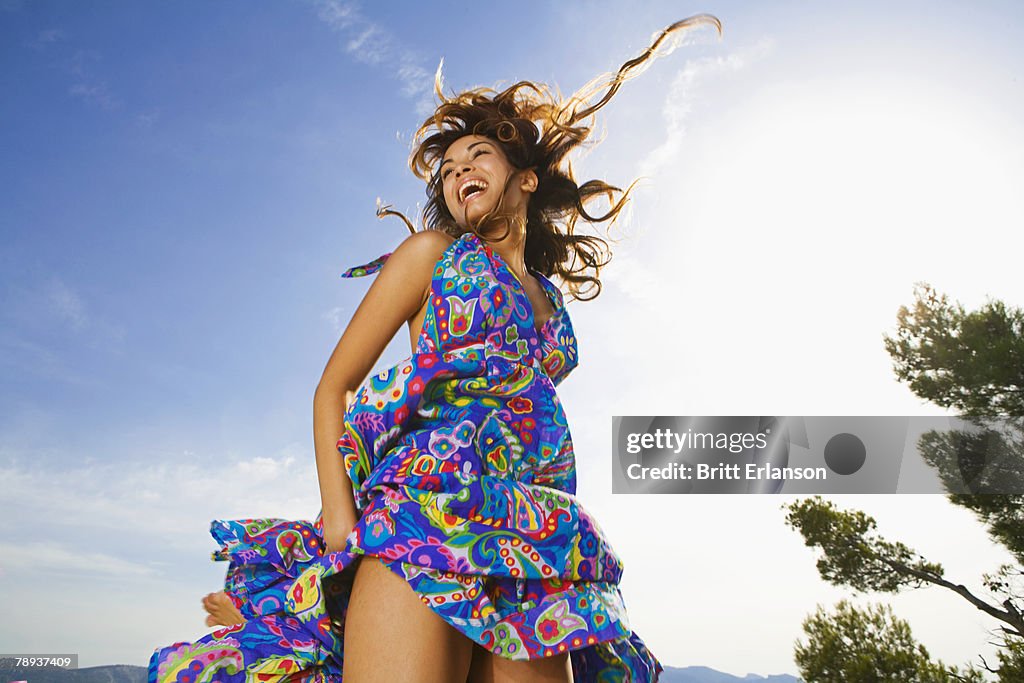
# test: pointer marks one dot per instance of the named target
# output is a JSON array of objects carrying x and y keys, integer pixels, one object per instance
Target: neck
[
  {"x": 512, "y": 250},
  {"x": 511, "y": 247}
]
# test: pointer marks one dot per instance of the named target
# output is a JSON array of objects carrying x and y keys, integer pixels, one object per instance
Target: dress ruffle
[{"x": 463, "y": 473}]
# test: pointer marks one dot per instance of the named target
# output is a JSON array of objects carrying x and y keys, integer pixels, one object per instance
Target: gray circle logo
[{"x": 845, "y": 453}]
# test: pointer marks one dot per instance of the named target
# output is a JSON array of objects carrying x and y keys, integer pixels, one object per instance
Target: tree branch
[{"x": 1011, "y": 615}]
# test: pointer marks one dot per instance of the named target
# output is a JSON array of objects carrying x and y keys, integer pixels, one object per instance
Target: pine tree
[{"x": 972, "y": 362}]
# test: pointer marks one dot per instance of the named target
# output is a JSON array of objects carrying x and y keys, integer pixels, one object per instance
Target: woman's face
[{"x": 474, "y": 171}]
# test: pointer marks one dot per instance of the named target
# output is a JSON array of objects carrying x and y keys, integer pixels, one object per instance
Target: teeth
[{"x": 469, "y": 185}]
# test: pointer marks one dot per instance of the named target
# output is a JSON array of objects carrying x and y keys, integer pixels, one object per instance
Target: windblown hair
[{"x": 537, "y": 130}]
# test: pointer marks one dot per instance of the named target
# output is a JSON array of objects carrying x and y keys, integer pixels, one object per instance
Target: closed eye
[{"x": 476, "y": 153}]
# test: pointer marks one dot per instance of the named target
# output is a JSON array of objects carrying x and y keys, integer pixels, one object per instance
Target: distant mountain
[
  {"x": 93, "y": 674},
  {"x": 702, "y": 674},
  {"x": 137, "y": 674}
]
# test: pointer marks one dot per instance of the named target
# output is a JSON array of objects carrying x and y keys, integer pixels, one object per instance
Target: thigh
[
  {"x": 488, "y": 667},
  {"x": 390, "y": 635}
]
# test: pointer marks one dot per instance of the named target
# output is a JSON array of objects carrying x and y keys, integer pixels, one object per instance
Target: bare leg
[
  {"x": 488, "y": 667},
  {"x": 222, "y": 612},
  {"x": 390, "y": 635}
]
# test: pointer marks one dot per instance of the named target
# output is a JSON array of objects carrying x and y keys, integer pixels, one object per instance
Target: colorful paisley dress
[{"x": 463, "y": 473}]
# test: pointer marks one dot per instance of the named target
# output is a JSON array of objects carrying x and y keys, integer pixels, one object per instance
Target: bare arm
[{"x": 397, "y": 294}]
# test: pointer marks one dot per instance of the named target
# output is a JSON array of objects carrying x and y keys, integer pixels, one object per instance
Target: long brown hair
[{"x": 537, "y": 130}]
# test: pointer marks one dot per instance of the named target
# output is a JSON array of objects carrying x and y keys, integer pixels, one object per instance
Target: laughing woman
[{"x": 450, "y": 546}]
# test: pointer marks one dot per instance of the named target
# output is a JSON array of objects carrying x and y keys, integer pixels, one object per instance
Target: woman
[{"x": 450, "y": 546}]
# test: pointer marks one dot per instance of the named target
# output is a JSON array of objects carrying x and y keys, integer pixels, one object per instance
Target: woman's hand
[{"x": 336, "y": 531}]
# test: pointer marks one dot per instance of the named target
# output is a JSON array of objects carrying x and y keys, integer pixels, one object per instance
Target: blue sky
[{"x": 182, "y": 184}]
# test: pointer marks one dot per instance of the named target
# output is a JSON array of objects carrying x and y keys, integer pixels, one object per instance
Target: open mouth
[{"x": 470, "y": 189}]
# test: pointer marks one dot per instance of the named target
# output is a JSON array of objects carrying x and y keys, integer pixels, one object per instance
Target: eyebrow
[{"x": 479, "y": 142}]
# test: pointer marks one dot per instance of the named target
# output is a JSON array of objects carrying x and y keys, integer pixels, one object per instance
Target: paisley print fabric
[
  {"x": 367, "y": 268},
  {"x": 463, "y": 473}
]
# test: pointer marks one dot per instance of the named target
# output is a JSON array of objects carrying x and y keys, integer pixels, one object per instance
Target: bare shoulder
[
  {"x": 425, "y": 244},
  {"x": 420, "y": 251},
  {"x": 409, "y": 270}
]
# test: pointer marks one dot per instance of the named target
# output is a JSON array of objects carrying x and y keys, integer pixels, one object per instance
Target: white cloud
[
  {"x": 46, "y": 38},
  {"x": 67, "y": 305},
  {"x": 64, "y": 304},
  {"x": 106, "y": 540},
  {"x": 146, "y": 500},
  {"x": 39, "y": 317},
  {"x": 148, "y": 118},
  {"x": 416, "y": 81},
  {"x": 85, "y": 85},
  {"x": 334, "y": 317},
  {"x": 94, "y": 93},
  {"x": 97, "y": 615},
  {"x": 261, "y": 470},
  {"x": 57, "y": 558},
  {"x": 51, "y": 35},
  {"x": 337, "y": 15},
  {"x": 372, "y": 44},
  {"x": 678, "y": 103},
  {"x": 38, "y": 359},
  {"x": 80, "y": 62}
]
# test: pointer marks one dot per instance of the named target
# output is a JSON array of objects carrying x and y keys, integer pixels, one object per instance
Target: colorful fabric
[
  {"x": 463, "y": 473},
  {"x": 367, "y": 268}
]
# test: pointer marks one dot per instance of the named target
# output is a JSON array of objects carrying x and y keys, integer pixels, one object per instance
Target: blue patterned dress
[{"x": 464, "y": 477}]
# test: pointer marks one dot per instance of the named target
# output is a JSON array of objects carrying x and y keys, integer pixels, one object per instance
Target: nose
[{"x": 464, "y": 167}]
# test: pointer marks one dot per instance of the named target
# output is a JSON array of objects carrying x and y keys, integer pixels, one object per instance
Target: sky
[{"x": 183, "y": 183}]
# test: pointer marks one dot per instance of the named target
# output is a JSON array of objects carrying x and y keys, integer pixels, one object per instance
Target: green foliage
[
  {"x": 867, "y": 646},
  {"x": 988, "y": 461},
  {"x": 987, "y": 458},
  {"x": 853, "y": 556},
  {"x": 1011, "y": 662},
  {"x": 973, "y": 362},
  {"x": 1004, "y": 518}
]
